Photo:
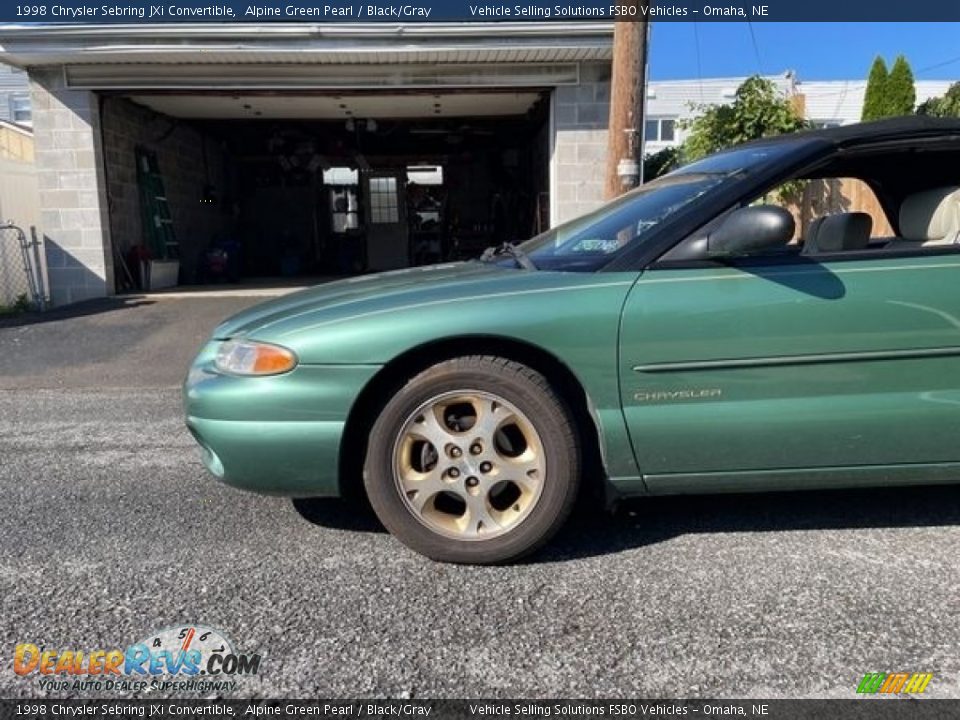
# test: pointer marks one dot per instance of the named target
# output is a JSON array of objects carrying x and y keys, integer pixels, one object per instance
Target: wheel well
[{"x": 393, "y": 375}]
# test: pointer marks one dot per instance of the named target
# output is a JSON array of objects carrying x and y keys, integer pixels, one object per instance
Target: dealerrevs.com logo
[{"x": 182, "y": 659}]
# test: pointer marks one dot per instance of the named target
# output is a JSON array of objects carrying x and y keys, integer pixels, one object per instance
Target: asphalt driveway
[{"x": 112, "y": 529}]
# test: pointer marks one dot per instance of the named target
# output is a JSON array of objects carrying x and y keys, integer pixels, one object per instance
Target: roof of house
[{"x": 16, "y": 127}]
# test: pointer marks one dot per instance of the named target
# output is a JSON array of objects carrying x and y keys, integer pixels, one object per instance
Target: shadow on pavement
[
  {"x": 645, "y": 521},
  {"x": 80, "y": 309},
  {"x": 339, "y": 514}
]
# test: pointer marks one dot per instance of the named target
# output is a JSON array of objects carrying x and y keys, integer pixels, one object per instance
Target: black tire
[{"x": 543, "y": 410}]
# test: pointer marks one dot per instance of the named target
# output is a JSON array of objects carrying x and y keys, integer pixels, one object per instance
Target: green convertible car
[{"x": 782, "y": 315}]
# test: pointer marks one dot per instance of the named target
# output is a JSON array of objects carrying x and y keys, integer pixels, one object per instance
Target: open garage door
[{"x": 274, "y": 184}]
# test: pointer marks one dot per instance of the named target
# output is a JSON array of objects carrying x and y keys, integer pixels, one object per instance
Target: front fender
[{"x": 572, "y": 317}]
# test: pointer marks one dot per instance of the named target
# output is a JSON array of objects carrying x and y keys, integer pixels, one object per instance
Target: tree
[
  {"x": 946, "y": 106},
  {"x": 660, "y": 163},
  {"x": 874, "y": 98},
  {"x": 901, "y": 95},
  {"x": 758, "y": 110}
]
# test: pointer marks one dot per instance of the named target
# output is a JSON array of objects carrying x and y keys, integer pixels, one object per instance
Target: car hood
[{"x": 354, "y": 295}]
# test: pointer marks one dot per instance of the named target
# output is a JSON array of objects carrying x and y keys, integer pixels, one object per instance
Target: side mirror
[{"x": 751, "y": 230}]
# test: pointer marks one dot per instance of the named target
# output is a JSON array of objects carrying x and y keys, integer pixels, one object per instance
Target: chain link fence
[{"x": 21, "y": 272}]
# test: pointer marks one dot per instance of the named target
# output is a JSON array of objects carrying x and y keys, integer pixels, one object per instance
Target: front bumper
[{"x": 279, "y": 434}]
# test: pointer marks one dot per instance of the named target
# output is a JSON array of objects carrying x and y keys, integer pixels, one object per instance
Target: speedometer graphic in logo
[{"x": 195, "y": 644}]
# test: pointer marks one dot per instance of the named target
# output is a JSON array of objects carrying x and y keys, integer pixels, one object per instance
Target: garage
[
  {"x": 280, "y": 185},
  {"x": 201, "y": 154}
]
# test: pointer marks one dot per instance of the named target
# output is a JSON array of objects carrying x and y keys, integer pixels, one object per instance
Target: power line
[
  {"x": 843, "y": 96},
  {"x": 847, "y": 86},
  {"x": 756, "y": 48},
  {"x": 938, "y": 65},
  {"x": 696, "y": 42}
]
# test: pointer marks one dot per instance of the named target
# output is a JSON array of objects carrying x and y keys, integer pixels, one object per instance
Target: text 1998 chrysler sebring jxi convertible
[{"x": 782, "y": 315}]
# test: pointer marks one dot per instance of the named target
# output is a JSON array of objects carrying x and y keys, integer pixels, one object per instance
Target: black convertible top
[
  {"x": 901, "y": 128},
  {"x": 891, "y": 175},
  {"x": 881, "y": 153}
]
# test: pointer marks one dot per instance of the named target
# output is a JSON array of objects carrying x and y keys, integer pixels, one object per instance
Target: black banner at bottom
[{"x": 868, "y": 709}]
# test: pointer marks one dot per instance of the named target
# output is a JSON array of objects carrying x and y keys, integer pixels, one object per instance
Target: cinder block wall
[
  {"x": 180, "y": 148},
  {"x": 580, "y": 118},
  {"x": 72, "y": 196}
]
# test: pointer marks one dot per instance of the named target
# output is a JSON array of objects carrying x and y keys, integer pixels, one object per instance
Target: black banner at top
[{"x": 433, "y": 11}]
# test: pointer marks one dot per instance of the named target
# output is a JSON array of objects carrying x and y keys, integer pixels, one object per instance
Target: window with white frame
[
  {"x": 20, "y": 111},
  {"x": 660, "y": 129},
  {"x": 344, "y": 207},
  {"x": 383, "y": 200}
]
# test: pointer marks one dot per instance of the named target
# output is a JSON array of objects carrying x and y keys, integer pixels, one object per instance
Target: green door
[{"x": 794, "y": 373}]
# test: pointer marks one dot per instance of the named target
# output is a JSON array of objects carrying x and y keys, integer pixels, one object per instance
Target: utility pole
[{"x": 628, "y": 84}]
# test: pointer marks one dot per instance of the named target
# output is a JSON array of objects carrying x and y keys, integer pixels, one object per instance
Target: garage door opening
[{"x": 280, "y": 186}]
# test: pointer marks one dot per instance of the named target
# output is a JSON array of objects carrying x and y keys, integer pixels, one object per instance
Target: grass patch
[{"x": 21, "y": 305}]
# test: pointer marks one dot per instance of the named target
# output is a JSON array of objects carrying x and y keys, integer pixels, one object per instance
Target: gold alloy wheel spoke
[
  {"x": 524, "y": 471},
  {"x": 479, "y": 519},
  {"x": 469, "y": 465},
  {"x": 427, "y": 426},
  {"x": 491, "y": 415},
  {"x": 420, "y": 488}
]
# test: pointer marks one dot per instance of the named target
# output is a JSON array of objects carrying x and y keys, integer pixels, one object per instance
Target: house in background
[
  {"x": 15, "y": 96},
  {"x": 19, "y": 206},
  {"x": 18, "y": 187},
  {"x": 826, "y": 103},
  {"x": 18, "y": 182}
]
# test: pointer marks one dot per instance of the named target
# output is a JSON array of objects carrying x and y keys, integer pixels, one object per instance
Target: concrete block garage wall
[
  {"x": 72, "y": 196},
  {"x": 180, "y": 148},
  {"x": 580, "y": 118}
]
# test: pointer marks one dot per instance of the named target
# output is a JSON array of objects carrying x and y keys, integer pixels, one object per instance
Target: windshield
[{"x": 590, "y": 241}]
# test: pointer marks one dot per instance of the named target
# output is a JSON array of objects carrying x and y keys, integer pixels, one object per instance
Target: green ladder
[{"x": 157, "y": 223}]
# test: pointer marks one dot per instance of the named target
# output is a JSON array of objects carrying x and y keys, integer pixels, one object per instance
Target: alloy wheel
[{"x": 469, "y": 465}]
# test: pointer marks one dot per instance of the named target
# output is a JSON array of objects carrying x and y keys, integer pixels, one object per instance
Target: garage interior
[{"x": 280, "y": 185}]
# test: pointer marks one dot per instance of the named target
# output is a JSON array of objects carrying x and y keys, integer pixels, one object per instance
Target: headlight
[{"x": 245, "y": 357}]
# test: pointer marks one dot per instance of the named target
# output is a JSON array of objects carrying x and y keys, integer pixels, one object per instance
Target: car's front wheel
[{"x": 474, "y": 460}]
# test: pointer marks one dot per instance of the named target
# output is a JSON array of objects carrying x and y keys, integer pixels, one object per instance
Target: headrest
[
  {"x": 836, "y": 233},
  {"x": 931, "y": 214}
]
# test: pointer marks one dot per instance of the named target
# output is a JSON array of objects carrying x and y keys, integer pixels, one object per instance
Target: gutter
[
  {"x": 36, "y": 45},
  {"x": 478, "y": 30}
]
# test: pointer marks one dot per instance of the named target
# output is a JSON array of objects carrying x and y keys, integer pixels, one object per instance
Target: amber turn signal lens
[
  {"x": 272, "y": 360},
  {"x": 246, "y": 357}
]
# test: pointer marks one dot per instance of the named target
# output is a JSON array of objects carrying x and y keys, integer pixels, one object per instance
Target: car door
[{"x": 792, "y": 371}]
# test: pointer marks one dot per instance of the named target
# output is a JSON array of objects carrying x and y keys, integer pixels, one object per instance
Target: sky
[{"x": 816, "y": 51}]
